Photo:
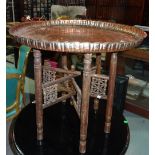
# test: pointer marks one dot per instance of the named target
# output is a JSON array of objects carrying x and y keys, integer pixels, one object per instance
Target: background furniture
[
  {"x": 118, "y": 10},
  {"x": 115, "y": 10},
  {"x": 129, "y": 58},
  {"x": 135, "y": 105},
  {"x": 11, "y": 46},
  {"x": 34, "y": 8},
  {"x": 15, "y": 81}
]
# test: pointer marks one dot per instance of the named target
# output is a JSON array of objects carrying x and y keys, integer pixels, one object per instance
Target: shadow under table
[{"x": 61, "y": 132}]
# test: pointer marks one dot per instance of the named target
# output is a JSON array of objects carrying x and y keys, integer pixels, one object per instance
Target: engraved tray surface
[{"x": 77, "y": 36}]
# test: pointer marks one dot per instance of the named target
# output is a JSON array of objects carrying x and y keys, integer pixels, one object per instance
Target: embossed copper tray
[{"x": 77, "y": 36}]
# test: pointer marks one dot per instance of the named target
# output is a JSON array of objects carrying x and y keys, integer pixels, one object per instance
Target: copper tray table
[{"x": 85, "y": 37}]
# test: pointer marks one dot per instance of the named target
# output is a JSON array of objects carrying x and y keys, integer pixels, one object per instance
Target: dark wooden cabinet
[
  {"x": 121, "y": 11},
  {"x": 91, "y": 9}
]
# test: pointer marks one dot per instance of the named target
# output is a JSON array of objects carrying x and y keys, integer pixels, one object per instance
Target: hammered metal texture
[{"x": 77, "y": 36}]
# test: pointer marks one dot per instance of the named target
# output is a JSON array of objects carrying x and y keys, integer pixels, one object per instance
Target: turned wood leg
[
  {"x": 64, "y": 61},
  {"x": 85, "y": 102},
  {"x": 64, "y": 66},
  {"x": 38, "y": 95},
  {"x": 111, "y": 87},
  {"x": 98, "y": 71}
]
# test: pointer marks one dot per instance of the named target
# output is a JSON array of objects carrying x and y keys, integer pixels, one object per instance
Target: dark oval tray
[{"x": 77, "y": 36}]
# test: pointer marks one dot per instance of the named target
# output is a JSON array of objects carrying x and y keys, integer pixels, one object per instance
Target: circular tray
[{"x": 77, "y": 36}]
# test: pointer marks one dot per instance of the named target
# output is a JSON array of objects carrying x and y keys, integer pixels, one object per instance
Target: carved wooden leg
[
  {"x": 85, "y": 102},
  {"x": 38, "y": 95},
  {"x": 98, "y": 63},
  {"x": 111, "y": 87},
  {"x": 64, "y": 66},
  {"x": 98, "y": 71},
  {"x": 64, "y": 61}
]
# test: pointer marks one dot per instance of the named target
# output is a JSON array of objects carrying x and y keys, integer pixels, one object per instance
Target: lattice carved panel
[
  {"x": 98, "y": 87},
  {"x": 48, "y": 75},
  {"x": 50, "y": 92}
]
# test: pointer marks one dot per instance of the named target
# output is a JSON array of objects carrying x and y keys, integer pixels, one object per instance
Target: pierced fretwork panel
[
  {"x": 48, "y": 75},
  {"x": 50, "y": 92},
  {"x": 99, "y": 87}
]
